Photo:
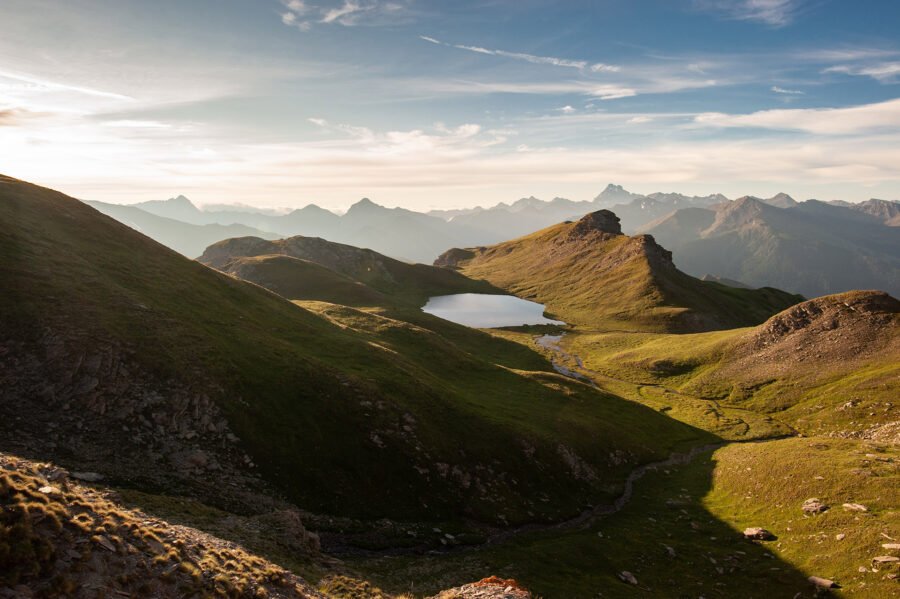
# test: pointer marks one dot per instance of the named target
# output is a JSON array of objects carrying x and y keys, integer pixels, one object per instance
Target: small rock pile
[{"x": 492, "y": 587}]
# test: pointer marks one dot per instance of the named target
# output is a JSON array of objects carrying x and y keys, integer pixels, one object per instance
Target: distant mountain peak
[
  {"x": 781, "y": 200},
  {"x": 615, "y": 194},
  {"x": 364, "y": 205}
]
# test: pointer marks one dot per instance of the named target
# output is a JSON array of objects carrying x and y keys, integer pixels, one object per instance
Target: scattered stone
[
  {"x": 891, "y": 545},
  {"x": 884, "y": 560},
  {"x": 759, "y": 534},
  {"x": 855, "y": 507},
  {"x": 105, "y": 543},
  {"x": 669, "y": 551},
  {"x": 89, "y": 477},
  {"x": 48, "y": 490},
  {"x": 840, "y": 536},
  {"x": 814, "y": 505},
  {"x": 628, "y": 577},
  {"x": 823, "y": 583}
]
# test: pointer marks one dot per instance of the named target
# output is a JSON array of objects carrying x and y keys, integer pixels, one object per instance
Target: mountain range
[{"x": 811, "y": 247}]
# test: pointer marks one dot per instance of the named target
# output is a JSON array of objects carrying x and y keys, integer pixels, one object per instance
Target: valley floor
[{"x": 681, "y": 535}]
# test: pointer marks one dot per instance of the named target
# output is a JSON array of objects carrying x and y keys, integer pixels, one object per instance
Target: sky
[{"x": 433, "y": 104}]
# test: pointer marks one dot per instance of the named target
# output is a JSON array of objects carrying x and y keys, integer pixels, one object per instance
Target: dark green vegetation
[
  {"x": 590, "y": 275},
  {"x": 311, "y": 268},
  {"x": 813, "y": 248},
  {"x": 398, "y": 420}
]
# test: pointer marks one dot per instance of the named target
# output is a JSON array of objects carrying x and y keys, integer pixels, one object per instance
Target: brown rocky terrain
[
  {"x": 832, "y": 329},
  {"x": 63, "y": 538}
]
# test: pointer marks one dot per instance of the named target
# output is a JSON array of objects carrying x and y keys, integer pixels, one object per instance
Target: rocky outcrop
[
  {"x": 602, "y": 222},
  {"x": 492, "y": 587},
  {"x": 452, "y": 258}
]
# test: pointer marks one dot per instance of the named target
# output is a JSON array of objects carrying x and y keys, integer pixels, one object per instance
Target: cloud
[
  {"x": 774, "y": 13},
  {"x": 790, "y": 92},
  {"x": 612, "y": 92},
  {"x": 344, "y": 14},
  {"x": 532, "y": 58},
  {"x": 15, "y": 116},
  {"x": 137, "y": 124},
  {"x": 879, "y": 117},
  {"x": 566, "y": 109},
  {"x": 303, "y": 15},
  {"x": 885, "y": 72},
  {"x": 37, "y": 83},
  {"x": 638, "y": 120}
]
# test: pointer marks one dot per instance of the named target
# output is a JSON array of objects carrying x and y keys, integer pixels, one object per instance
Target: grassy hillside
[
  {"x": 829, "y": 365},
  {"x": 589, "y": 274},
  {"x": 141, "y": 360},
  {"x": 294, "y": 278},
  {"x": 394, "y": 282}
]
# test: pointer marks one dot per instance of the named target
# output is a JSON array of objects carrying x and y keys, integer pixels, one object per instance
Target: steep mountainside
[
  {"x": 118, "y": 355},
  {"x": 589, "y": 274},
  {"x": 185, "y": 238},
  {"x": 811, "y": 248},
  {"x": 254, "y": 260}
]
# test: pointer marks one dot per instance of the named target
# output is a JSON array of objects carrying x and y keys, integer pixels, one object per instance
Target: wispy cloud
[
  {"x": 612, "y": 92},
  {"x": 37, "y": 83},
  {"x": 881, "y": 117},
  {"x": 349, "y": 13},
  {"x": 346, "y": 14},
  {"x": 11, "y": 117},
  {"x": 775, "y": 13},
  {"x": 885, "y": 72},
  {"x": 789, "y": 92},
  {"x": 581, "y": 65}
]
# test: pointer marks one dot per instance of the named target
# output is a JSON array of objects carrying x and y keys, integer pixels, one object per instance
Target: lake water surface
[{"x": 485, "y": 311}]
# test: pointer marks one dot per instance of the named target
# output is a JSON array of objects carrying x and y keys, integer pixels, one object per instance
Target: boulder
[
  {"x": 823, "y": 583},
  {"x": 758, "y": 534},
  {"x": 814, "y": 505},
  {"x": 628, "y": 577},
  {"x": 885, "y": 560},
  {"x": 855, "y": 507},
  {"x": 88, "y": 477}
]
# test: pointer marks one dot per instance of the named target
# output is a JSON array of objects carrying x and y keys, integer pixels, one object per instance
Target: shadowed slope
[
  {"x": 392, "y": 280},
  {"x": 164, "y": 373}
]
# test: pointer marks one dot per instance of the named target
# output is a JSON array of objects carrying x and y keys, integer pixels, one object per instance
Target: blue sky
[{"x": 431, "y": 104}]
